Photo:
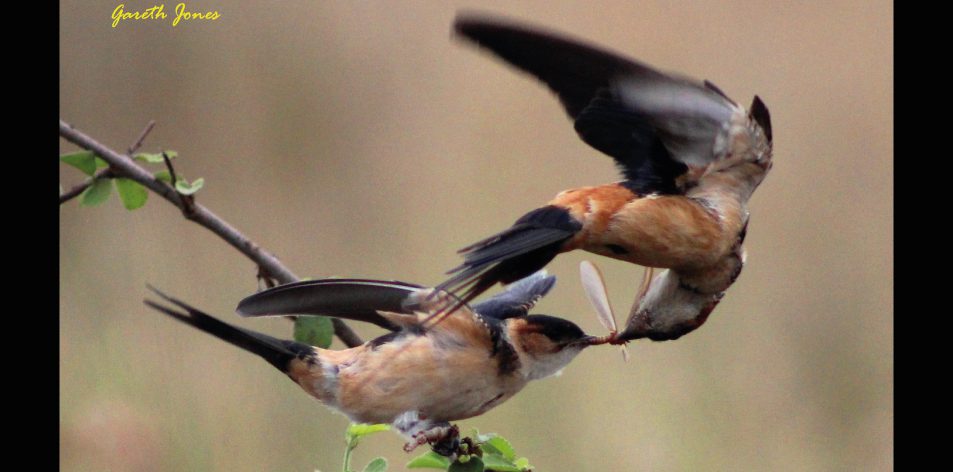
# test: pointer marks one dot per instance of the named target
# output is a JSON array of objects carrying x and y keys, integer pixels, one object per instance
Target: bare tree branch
[{"x": 124, "y": 165}]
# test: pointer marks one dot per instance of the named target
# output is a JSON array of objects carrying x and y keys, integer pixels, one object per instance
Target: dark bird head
[{"x": 546, "y": 344}]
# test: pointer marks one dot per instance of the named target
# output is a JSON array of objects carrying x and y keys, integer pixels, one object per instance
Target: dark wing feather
[
  {"x": 643, "y": 159},
  {"x": 573, "y": 70},
  {"x": 518, "y": 298},
  {"x": 524, "y": 248},
  {"x": 688, "y": 117},
  {"x": 651, "y": 123},
  {"x": 354, "y": 299}
]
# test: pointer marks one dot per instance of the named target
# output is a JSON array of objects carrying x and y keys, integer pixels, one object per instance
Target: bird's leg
[
  {"x": 444, "y": 439},
  {"x": 421, "y": 431}
]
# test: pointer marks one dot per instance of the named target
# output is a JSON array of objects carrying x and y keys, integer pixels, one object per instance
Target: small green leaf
[
  {"x": 101, "y": 164},
  {"x": 188, "y": 189},
  {"x": 359, "y": 430},
  {"x": 377, "y": 465},
  {"x": 498, "y": 463},
  {"x": 163, "y": 176},
  {"x": 97, "y": 193},
  {"x": 502, "y": 446},
  {"x": 154, "y": 157},
  {"x": 132, "y": 194},
  {"x": 429, "y": 460},
  {"x": 523, "y": 463},
  {"x": 314, "y": 330},
  {"x": 83, "y": 160},
  {"x": 151, "y": 158},
  {"x": 472, "y": 465}
]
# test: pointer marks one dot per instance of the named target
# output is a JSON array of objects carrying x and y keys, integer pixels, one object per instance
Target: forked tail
[{"x": 277, "y": 352}]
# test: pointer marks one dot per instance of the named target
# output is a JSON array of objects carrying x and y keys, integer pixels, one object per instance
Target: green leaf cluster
[
  {"x": 497, "y": 455},
  {"x": 132, "y": 194}
]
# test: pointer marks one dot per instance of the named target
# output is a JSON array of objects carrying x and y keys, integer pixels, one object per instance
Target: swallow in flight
[{"x": 690, "y": 158}]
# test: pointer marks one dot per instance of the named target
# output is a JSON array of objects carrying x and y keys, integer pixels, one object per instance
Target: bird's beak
[
  {"x": 587, "y": 341},
  {"x": 611, "y": 338}
]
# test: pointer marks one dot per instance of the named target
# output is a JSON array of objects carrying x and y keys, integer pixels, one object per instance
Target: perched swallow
[
  {"x": 416, "y": 379},
  {"x": 690, "y": 158}
]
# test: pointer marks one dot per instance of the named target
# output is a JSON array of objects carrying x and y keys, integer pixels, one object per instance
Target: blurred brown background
[{"x": 359, "y": 139}]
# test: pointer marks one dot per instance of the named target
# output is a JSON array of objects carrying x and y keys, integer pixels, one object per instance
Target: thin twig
[
  {"x": 188, "y": 201},
  {"x": 168, "y": 166},
  {"x": 76, "y": 191},
  {"x": 142, "y": 137},
  {"x": 125, "y": 166}
]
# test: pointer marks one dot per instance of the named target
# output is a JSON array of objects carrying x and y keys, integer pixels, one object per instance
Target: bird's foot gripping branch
[{"x": 475, "y": 452}]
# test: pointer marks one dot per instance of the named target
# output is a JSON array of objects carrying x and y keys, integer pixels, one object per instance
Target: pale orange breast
[
  {"x": 442, "y": 383},
  {"x": 666, "y": 231}
]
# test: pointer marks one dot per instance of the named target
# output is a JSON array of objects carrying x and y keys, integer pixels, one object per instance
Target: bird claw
[
  {"x": 419, "y": 439},
  {"x": 445, "y": 440}
]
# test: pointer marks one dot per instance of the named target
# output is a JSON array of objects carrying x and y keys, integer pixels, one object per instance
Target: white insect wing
[
  {"x": 595, "y": 287},
  {"x": 594, "y": 284}
]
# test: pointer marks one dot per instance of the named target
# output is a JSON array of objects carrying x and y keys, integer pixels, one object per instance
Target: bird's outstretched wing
[
  {"x": 354, "y": 299},
  {"x": 365, "y": 299},
  {"x": 654, "y": 125}
]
